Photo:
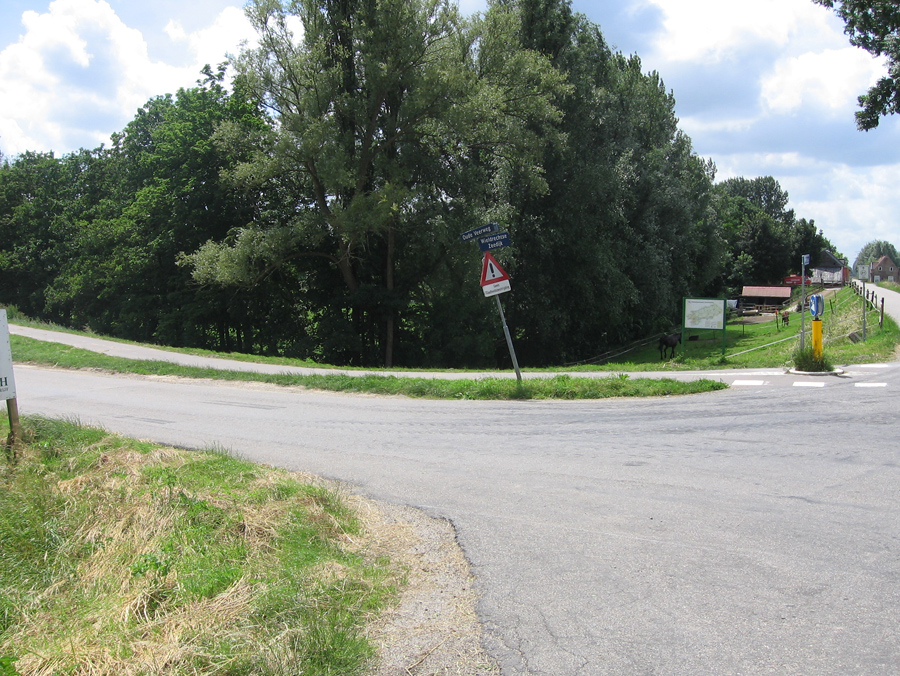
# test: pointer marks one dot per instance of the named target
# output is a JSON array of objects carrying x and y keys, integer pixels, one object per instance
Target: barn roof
[{"x": 766, "y": 291}]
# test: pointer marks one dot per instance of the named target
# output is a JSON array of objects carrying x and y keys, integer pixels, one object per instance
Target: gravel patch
[{"x": 433, "y": 629}]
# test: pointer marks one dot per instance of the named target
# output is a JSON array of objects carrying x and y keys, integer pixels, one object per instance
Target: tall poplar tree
[{"x": 383, "y": 114}]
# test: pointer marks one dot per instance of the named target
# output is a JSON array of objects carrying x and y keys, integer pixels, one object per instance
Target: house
[
  {"x": 884, "y": 270},
  {"x": 755, "y": 299},
  {"x": 831, "y": 270}
]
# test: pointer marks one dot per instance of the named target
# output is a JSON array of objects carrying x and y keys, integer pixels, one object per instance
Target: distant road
[{"x": 891, "y": 299}]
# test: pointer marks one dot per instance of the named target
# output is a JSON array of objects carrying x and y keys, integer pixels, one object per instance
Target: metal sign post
[
  {"x": 509, "y": 343},
  {"x": 804, "y": 261},
  {"x": 495, "y": 281}
]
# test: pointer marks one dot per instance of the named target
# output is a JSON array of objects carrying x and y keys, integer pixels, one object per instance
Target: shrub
[{"x": 806, "y": 360}]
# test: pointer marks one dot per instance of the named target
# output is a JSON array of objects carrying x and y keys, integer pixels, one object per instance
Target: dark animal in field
[{"x": 667, "y": 342}]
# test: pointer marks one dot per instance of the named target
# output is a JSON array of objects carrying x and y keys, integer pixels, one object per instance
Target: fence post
[
  {"x": 865, "y": 307},
  {"x": 881, "y": 318}
]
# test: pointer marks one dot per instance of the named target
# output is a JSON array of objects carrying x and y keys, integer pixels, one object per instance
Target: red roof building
[{"x": 884, "y": 270}]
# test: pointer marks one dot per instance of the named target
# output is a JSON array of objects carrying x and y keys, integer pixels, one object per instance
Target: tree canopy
[
  {"x": 313, "y": 209},
  {"x": 874, "y": 250}
]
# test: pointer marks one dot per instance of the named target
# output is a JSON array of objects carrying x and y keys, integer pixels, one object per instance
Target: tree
[
  {"x": 807, "y": 239},
  {"x": 765, "y": 193},
  {"x": 389, "y": 129},
  {"x": 759, "y": 246},
  {"x": 874, "y": 25},
  {"x": 35, "y": 193},
  {"x": 131, "y": 208},
  {"x": 872, "y": 251},
  {"x": 625, "y": 228}
]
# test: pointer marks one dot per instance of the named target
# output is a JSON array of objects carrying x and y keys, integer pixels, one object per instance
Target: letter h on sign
[{"x": 4, "y": 382}]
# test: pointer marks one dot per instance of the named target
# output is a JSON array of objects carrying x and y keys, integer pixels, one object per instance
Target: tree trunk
[{"x": 389, "y": 283}]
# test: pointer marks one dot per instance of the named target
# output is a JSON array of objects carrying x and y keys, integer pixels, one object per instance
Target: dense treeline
[
  {"x": 874, "y": 250},
  {"x": 314, "y": 208}
]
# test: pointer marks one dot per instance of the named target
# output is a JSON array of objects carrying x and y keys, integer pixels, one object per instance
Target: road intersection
[{"x": 745, "y": 532}]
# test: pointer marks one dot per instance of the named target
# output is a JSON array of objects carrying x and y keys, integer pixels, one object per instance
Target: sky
[{"x": 763, "y": 88}]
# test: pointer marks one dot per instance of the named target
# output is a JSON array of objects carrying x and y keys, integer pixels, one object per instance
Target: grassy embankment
[
  {"x": 762, "y": 342},
  {"x": 119, "y": 557},
  {"x": 749, "y": 344},
  {"x": 558, "y": 387}
]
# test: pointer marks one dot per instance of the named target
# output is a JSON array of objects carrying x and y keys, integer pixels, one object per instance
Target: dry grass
[{"x": 174, "y": 562}]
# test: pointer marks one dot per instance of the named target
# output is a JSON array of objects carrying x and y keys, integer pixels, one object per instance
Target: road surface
[{"x": 751, "y": 531}]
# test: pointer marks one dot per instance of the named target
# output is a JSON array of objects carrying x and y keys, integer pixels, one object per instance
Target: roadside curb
[{"x": 835, "y": 372}]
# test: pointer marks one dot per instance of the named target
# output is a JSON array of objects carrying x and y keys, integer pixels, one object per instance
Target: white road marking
[
  {"x": 869, "y": 384},
  {"x": 749, "y": 382},
  {"x": 808, "y": 384}
]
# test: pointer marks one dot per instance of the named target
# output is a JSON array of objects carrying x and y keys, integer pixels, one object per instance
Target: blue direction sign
[
  {"x": 497, "y": 241},
  {"x": 478, "y": 232},
  {"x": 816, "y": 305}
]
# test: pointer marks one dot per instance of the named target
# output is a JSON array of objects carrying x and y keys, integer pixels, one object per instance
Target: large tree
[
  {"x": 874, "y": 25},
  {"x": 624, "y": 230},
  {"x": 104, "y": 234},
  {"x": 393, "y": 127}
]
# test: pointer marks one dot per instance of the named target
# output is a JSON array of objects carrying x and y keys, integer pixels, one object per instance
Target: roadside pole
[
  {"x": 816, "y": 307},
  {"x": 864, "y": 308},
  {"x": 509, "y": 343},
  {"x": 804, "y": 261},
  {"x": 494, "y": 279}
]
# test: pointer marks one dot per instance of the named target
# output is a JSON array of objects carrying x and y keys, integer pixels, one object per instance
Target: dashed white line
[
  {"x": 869, "y": 384},
  {"x": 808, "y": 384}
]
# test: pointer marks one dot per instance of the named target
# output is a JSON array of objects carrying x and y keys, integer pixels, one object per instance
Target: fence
[{"x": 871, "y": 299}]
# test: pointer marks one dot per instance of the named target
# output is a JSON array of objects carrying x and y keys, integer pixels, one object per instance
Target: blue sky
[{"x": 762, "y": 88}]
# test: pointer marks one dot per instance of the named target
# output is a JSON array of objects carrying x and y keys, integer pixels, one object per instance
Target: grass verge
[
  {"x": 121, "y": 557},
  {"x": 755, "y": 343},
  {"x": 560, "y": 387}
]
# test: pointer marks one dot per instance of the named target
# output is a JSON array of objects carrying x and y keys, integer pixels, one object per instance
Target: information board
[
  {"x": 7, "y": 382},
  {"x": 704, "y": 313}
]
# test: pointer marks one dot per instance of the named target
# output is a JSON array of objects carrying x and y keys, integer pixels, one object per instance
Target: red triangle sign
[{"x": 491, "y": 272}]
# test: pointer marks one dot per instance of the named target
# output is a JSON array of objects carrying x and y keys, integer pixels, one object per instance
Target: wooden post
[{"x": 15, "y": 429}]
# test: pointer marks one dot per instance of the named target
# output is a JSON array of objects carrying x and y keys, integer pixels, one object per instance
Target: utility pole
[{"x": 804, "y": 261}]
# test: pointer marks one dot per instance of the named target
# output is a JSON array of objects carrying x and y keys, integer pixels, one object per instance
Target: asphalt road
[{"x": 751, "y": 531}]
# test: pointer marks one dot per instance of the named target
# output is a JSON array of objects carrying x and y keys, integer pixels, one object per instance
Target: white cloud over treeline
[{"x": 78, "y": 73}]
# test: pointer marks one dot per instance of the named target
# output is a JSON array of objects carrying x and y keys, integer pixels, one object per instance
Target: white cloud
[
  {"x": 832, "y": 78},
  {"x": 715, "y": 29},
  {"x": 209, "y": 45},
  {"x": 854, "y": 206},
  {"x": 78, "y": 73}
]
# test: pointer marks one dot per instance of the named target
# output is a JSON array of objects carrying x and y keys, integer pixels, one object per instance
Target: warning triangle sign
[{"x": 491, "y": 272}]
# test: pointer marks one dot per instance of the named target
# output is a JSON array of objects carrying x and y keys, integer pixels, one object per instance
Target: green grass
[
  {"x": 747, "y": 345},
  {"x": 560, "y": 387},
  {"x": 120, "y": 557},
  {"x": 767, "y": 344}
]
